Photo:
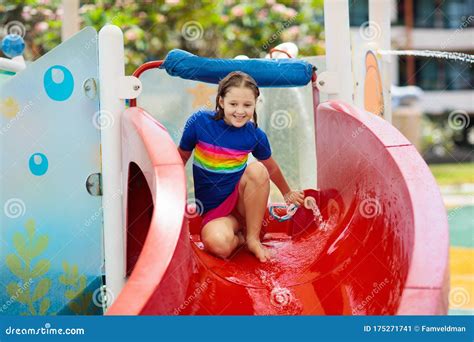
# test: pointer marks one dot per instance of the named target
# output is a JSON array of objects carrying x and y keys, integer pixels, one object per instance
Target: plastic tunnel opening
[{"x": 139, "y": 213}]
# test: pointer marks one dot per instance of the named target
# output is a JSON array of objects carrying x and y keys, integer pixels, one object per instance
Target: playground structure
[{"x": 384, "y": 246}]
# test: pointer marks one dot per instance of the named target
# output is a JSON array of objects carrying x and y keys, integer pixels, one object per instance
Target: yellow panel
[{"x": 461, "y": 295}]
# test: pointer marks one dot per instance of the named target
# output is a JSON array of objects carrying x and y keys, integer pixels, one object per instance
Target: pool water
[{"x": 461, "y": 226}]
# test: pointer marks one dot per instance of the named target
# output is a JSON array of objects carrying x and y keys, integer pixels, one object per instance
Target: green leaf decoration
[
  {"x": 44, "y": 306},
  {"x": 65, "y": 267},
  {"x": 76, "y": 308},
  {"x": 41, "y": 289},
  {"x": 19, "y": 242},
  {"x": 39, "y": 246},
  {"x": 29, "y": 246},
  {"x": 32, "y": 308},
  {"x": 73, "y": 279},
  {"x": 79, "y": 301},
  {"x": 82, "y": 283},
  {"x": 17, "y": 293},
  {"x": 63, "y": 279},
  {"x": 70, "y": 294},
  {"x": 74, "y": 272},
  {"x": 12, "y": 289},
  {"x": 14, "y": 264},
  {"x": 67, "y": 278},
  {"x": 30, "y": 228},
  {"x": 40, "y": 268},
  {"x": 88, "y": 298}
]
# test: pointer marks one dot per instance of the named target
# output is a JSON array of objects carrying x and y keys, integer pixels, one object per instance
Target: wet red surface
[
  {"x": 310, "y": 272},
  {"x": 273, "y": 287}
]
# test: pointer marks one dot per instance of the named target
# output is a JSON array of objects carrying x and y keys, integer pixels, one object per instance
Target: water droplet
[
  {"x": 456, "y": 56},
  {"x": 310, "y": 203}
]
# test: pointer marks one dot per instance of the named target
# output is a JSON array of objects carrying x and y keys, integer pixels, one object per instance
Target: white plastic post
[
  {"x": 16, "y": 64},
  {"x": 70, "y": 22},
  {"x": 379, "y": 16},
  {"x": 338, "y": 48},
  {"x": 111, "y": 70}
]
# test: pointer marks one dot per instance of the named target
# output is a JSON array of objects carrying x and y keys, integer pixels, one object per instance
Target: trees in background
[{"x": 151, "y": 28}]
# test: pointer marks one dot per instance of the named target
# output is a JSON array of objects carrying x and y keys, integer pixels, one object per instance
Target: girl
[{"x": 233, "y": 195}]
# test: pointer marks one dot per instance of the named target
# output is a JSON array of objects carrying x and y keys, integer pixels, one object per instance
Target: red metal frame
[
  {"x": 278, "y": 50},
  {"x": 141, "y": 69}
]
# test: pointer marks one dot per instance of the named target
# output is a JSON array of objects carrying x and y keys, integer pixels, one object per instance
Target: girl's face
[{"x": 239, "y": 106}]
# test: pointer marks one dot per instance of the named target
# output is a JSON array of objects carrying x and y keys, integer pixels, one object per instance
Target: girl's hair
[{"x": 235, "y": 79}]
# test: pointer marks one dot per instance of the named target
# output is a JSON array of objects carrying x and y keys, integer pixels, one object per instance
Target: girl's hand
[{"x": 294, "y": 197}]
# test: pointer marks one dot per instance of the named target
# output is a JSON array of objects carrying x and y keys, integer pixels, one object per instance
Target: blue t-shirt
[{"x": 220, "y": 155}]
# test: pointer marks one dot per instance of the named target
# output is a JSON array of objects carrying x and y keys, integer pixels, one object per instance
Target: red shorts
[{"x": 224, "y": 209}]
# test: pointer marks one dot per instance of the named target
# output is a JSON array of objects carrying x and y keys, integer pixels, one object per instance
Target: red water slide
[{"x": 382, "y": 248}]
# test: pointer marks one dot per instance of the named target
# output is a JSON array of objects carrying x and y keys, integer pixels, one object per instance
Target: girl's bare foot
[{"x": 262, "y": 253}]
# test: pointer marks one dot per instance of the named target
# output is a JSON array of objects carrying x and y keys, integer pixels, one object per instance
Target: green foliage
[
  {"x": 452, "y": 174},
  {"x": 79, "y": 300},
  {"x": 151, "y": 28},
  {"x": 41, "y": 20},
  {"x": 436, "y": 133},
  {"x": 33, "y": 288},
  {"x": 28, "y": 246}
]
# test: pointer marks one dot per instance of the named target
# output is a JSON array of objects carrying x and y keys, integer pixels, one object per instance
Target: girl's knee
[
  {"x": 219, "y": 242},
  {"x": 219, "y": 246},
  {"x": 257, "y": 172}
]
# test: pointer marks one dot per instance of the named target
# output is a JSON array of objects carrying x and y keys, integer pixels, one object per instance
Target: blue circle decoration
[
  {"x": 38, "y": 164},
  {"x": 13, "y": 45},
  {"x": 58, "y": 83}
]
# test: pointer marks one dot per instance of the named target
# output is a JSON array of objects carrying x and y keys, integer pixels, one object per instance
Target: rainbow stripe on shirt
[{"x": 219, "y": 159}]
